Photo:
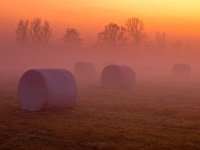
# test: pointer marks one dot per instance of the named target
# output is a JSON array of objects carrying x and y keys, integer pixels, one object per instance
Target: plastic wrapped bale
[
  {"x": 84, "y": 69},
  {"x": 118, "y": 76},
  {"x": 181, "y": 70},
  {"x": 43, "y": 89}
]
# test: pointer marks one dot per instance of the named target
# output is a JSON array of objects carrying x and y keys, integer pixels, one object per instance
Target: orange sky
[{"x": 176, "y": 17}]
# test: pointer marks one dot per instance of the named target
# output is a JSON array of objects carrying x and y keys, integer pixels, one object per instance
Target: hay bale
[
  {"x": 118, "y": 76},
  {"x": 42, "y": 89},
  {"x": 181, "y": 70},
  {"x": 84, "y": 69}
]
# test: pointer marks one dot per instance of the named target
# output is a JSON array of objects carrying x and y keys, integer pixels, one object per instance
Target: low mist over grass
[{"x": 149, "y": 116}]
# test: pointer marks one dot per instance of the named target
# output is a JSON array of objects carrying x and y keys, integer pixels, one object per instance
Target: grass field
[{"x": 149, "y": 116}]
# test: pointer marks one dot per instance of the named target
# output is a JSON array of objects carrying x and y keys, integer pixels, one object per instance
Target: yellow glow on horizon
[{"x": 181, "y": 16}]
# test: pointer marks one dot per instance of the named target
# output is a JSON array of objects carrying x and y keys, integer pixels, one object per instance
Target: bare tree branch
[
  {"x": 36, "y": 31},
  {"x": 22, "y": 31},
  {"x": 161, "y": 39},
  {"x": 72, "y": 38},
  {"x": 135, "y": 28},
  {"x": 46, "y": 32},
  {"x": 112, "y": 35}
]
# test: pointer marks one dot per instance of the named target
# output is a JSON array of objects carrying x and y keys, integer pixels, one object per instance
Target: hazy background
[{"x": 179, "y": 19}]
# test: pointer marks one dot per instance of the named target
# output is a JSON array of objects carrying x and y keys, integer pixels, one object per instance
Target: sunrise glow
[{"x": 180, "y": 17}]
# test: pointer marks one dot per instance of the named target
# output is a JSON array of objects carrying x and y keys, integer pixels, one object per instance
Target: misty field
[{"x": 150, "y": 116}]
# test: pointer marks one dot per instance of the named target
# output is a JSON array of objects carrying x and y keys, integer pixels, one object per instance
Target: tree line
[
  {"x": 36, "y": 32},
  {"x": 39, "y": 32}
]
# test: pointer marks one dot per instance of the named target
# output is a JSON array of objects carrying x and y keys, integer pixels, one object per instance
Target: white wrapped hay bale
[
  {"x": 41, "y": 89},
  {"x": 84, "y": 69},
  {"x": 118, "y": 76},
  {"x": 181, "y": 70}
]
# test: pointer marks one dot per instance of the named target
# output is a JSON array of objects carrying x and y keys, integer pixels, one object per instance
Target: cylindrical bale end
[
  {"x": 129, "y": 76},
  {"x": 118, "y": 76},
  {"x": 42, "y": 89}
]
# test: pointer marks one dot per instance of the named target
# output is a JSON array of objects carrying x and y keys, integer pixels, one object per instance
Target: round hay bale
[
  {"x": 181, "y": 70},
  {"x": 42, "y": 89},
  {"x": 118, "y": 76},
  {"x": 84, "y": 69}
]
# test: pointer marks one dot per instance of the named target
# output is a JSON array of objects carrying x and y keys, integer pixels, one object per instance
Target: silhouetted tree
[
  {"x": 72, "y": 38},
  {"x": 112, "y": 35},
  {"x": 135, "y": 28},
  {"x": 178, "y": 48},
  {"x": 36, "y": 31},
  {"x": 46, "y": 32},
  {"x": 22, "y": 31},
  {"x": 161, "y": 39},
  {"x": 178, "y": 45}
]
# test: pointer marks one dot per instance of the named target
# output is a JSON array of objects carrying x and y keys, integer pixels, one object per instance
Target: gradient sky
[{"x": 179, "y": 18}]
